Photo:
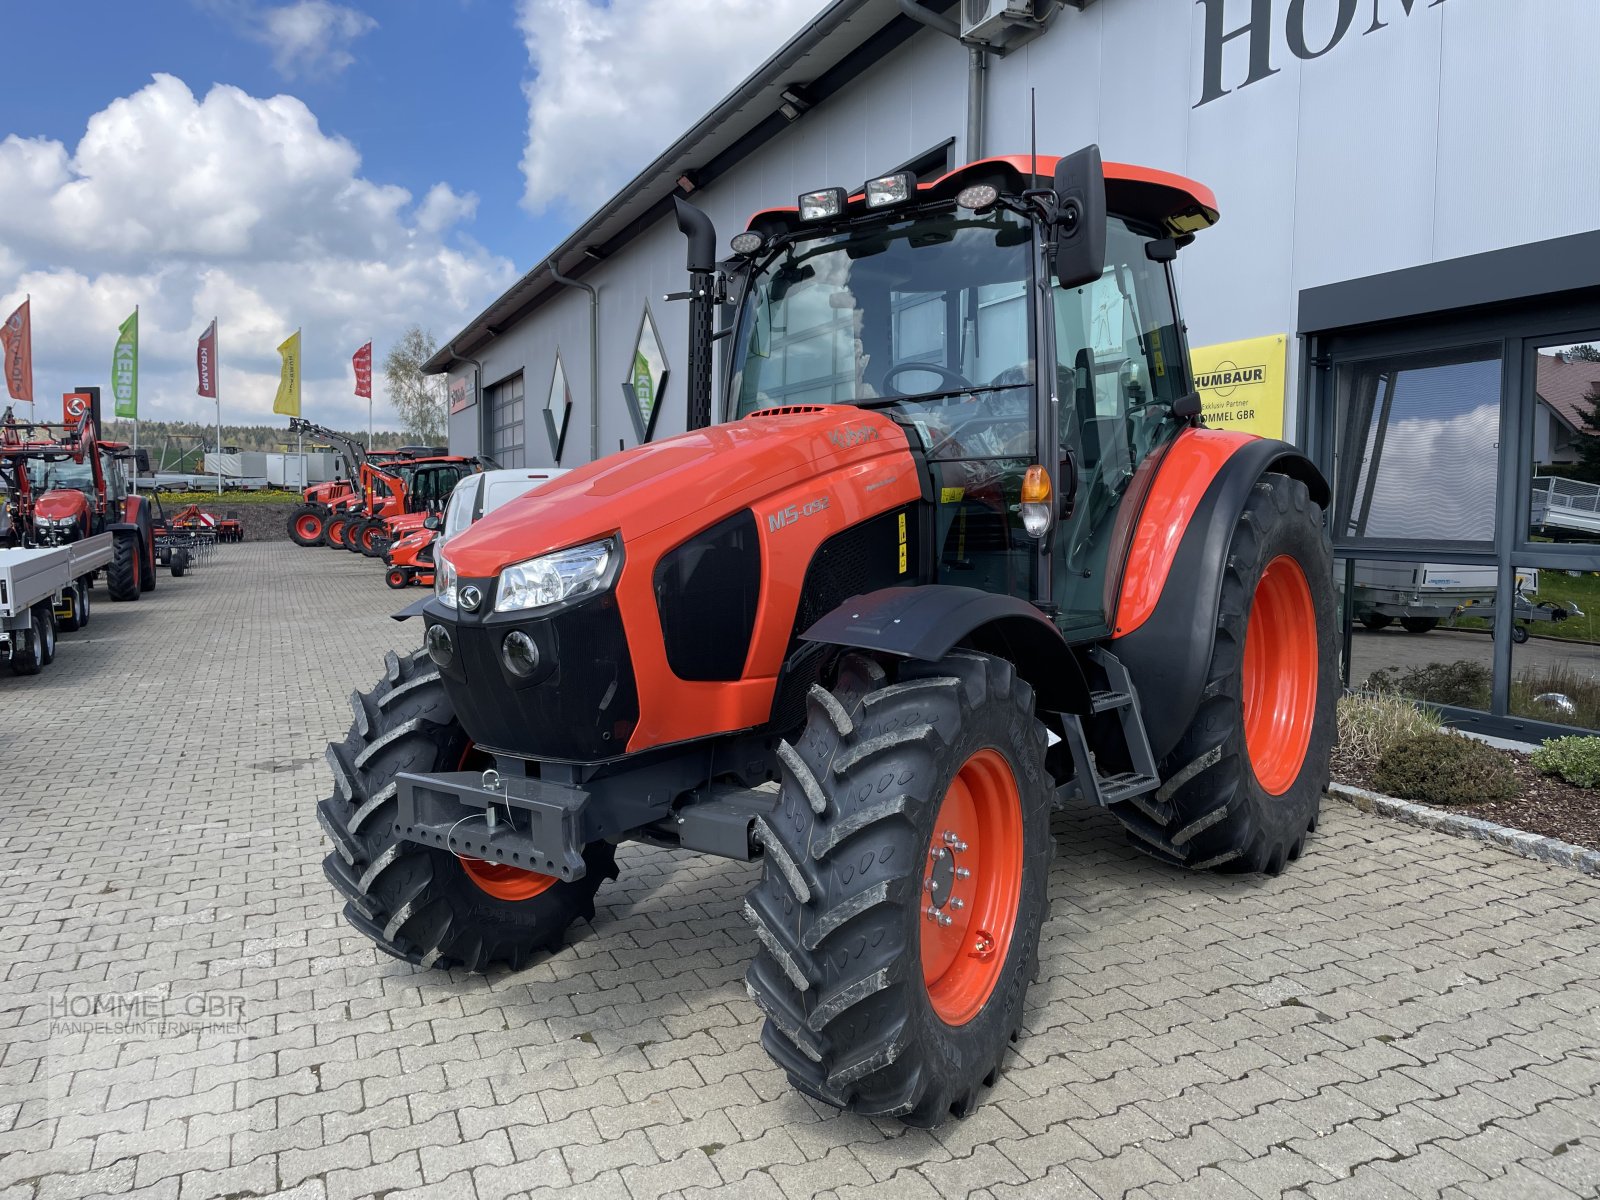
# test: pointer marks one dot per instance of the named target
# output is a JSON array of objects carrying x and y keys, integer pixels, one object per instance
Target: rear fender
[
  {"x": 1166, "y": 616},
  {"x": 928, "y": 621}
]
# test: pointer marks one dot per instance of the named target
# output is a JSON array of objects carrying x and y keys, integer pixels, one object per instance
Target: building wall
[{"x": 1388, "y": 134}]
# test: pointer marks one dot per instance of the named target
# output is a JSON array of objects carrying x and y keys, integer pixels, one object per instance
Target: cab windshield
[
  {"x": 933, "y": 310},
  {"x": 51, "y": 476}
]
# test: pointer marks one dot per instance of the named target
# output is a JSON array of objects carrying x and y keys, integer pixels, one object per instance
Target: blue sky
[{"x": 345, "y": 167}]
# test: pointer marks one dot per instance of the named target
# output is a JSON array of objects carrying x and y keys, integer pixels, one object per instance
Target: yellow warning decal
[
  {"x": 951, "y": 495},
  {"x": 902, "y": 543}
]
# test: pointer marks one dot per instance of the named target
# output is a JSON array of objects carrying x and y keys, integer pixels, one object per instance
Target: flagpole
[
  {"x": 299, "y": 436},
  {"x": 135, "y": 471},
  {"x": 33, "y": 404},
  {"x": 216, "y": 386}
]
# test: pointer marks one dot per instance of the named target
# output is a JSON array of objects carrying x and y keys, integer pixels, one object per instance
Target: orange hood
[
  {"x": 692, "y": 480},
  {"x": 59, "y": 503}
]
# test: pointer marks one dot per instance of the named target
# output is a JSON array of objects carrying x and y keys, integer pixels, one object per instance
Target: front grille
[{"x": 580, "y": 705}]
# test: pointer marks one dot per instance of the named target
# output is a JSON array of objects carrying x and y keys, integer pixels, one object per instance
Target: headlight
[
  {"x": 444, "y": 582},
  {"x": 554, "y": 578}
]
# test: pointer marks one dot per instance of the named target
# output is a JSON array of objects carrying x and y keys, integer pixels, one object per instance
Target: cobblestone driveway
[{"x": 1400, "y": 1014}]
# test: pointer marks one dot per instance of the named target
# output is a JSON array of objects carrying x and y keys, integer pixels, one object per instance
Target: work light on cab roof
[{"x": 821, "y": 204}]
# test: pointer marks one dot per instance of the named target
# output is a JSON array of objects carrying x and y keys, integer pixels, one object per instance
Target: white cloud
[
  {"x": 233, "y": 206},
  {"x": 311, "y": 37},
  {"x": 617, "y": 80}
]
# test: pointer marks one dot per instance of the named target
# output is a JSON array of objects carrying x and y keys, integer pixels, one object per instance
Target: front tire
[
  {"x": 1419, "y": 624},
  {"x": 883, "y": 995},
  {"x": 46, "y": 625},
  {"x": 1242, "y": 788},
  {"x": 122, "y": 573},
  {"x": 333, "y": 532},
  {"x": 28, "y": 659},
  {"x": 418, "y": 903},
  {"x": 305, "y": 527}
]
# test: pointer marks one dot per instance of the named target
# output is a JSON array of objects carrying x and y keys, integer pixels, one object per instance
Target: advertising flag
[
  {"x": 287, "y": 402},
  {"x": 362, "y": 361},
  {"x": 17, "y": 336},
  {"x": 205, "y": 362},
  {"x": 125, "y": 368}
]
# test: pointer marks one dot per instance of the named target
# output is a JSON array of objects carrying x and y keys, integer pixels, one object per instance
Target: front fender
[
  {"x": 1166, "y": 618},
  {"x": 926, "y": 622}
]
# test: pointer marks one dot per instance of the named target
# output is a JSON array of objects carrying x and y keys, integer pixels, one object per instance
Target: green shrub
[
  {"x": 1370, "y": 724},
  {"x": 1445, "y": 768},
  {"x": 1461, "y": 684},
  {"x": 1575, "y": 759}
]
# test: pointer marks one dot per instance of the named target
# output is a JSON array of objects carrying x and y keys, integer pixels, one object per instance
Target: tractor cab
[{"x": 1031, "y": 375}]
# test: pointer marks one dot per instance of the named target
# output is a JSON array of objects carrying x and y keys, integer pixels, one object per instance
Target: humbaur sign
[{"x": 1241, "y": 384}]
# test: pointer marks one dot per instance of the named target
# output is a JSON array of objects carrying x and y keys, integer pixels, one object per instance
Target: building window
[
  {"x": 558, "y": 409},
  {"x": 504, "y": 423},
  {"x": 647, "y": 378}
]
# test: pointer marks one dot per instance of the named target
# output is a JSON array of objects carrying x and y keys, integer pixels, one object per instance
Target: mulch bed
[{"x": 1548, "y": 806}]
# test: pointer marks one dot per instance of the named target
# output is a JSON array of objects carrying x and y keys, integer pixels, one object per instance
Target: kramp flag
[
  {"x": 125, "y": 368},
  {"x": 205, "y": 362},
  {"x": 362, "y": 361},
  {"x": 17, "y": 336},
  {"x": 287, "y": 402}
]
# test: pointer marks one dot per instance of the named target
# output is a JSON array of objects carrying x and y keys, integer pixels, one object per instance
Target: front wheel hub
[{"x": 972, "y": 885}]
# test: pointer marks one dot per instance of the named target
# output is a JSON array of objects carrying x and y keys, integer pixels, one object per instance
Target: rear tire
[
  {"x": 29, "y": 659},
  {"x": 47, "y": 627},
  {"x": 180, "y": 563},
  {"x": 305, "y": 527},
  {"x": 1376, "y": 621},
  {"x": 869, "y": 1007},
  {"x": 1212, "y": 810},
  {"x": 416, "y": 902},
  {"x": 75, "y": 619},
  {"x": 122, "y": 573},
  {"x": 1419, "y": 624}
]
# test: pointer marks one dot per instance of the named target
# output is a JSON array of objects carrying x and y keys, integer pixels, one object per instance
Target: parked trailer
[
  {"x": 41, "y": 587},
  {"x": 1420, "y": 595}
]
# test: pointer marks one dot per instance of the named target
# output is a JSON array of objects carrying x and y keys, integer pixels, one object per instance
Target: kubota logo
[
  {"x": 1227, "y": 377},
  {"x": 471, "y": 597},
  {"x": 846, "y": 438}
]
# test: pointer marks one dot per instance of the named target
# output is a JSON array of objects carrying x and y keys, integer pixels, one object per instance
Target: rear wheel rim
[
  {"x": 1280, "y": 675},
  {"x": 497, "y": 879},
  {"x": 972, "y": 885},
  {"x": 308, "y": 526}
]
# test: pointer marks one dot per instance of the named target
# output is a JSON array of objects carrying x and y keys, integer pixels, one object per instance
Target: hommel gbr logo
[
  {"x": 1227, "y": 377},
  {"x": 1259, "y": 30}
]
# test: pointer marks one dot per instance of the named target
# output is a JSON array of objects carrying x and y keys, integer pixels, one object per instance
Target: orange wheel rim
[
  {"x": 1280, "y": 675},
  {"x": 308, "y": 526},
  {"x": 497, "y": 879},
  {"x": 506, "y": 883},
  {"x": 971, "y": 887}
]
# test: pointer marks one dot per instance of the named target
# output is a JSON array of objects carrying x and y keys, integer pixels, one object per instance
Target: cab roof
[{"x": 1179, "y": 205}]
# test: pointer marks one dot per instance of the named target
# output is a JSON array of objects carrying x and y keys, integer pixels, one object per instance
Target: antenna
[{"x": 1033, "y": 137}]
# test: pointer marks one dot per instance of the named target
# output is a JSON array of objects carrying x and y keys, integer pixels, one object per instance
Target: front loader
[{"x": 961, "y": 550}]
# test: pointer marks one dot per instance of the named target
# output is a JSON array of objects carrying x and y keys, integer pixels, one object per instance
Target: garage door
[{"x": 503, "y": 413}]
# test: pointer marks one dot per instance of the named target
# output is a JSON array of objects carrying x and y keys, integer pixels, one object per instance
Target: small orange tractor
[
  {"x": 412, "y": 487},
  {"x": 959, "y": 551}
]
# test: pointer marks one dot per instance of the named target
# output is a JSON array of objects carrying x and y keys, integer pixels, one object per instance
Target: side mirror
[
  {"x": 141, "y": 461},
  {"x": 433, "y": 522},
  {"x": 1080, "y": 187}
]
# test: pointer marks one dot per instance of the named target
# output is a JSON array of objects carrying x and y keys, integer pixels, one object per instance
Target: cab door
[{"x": 1120, "y": 366}]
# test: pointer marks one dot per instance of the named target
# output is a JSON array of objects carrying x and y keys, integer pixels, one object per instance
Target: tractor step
[
  {"x": 1105, "y": 701},
  {"x": 1114, "y": 789},
  {"x": 1118, "y": 696}
]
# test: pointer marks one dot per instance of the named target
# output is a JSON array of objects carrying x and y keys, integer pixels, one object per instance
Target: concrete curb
[{"x": 1528, "y": 845}]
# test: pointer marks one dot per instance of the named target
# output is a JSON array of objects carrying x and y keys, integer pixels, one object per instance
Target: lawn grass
[{"x": 229, "y": 499}]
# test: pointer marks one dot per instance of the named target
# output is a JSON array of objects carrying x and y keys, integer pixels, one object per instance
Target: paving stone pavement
[{"x": 1400, "y": 1014}]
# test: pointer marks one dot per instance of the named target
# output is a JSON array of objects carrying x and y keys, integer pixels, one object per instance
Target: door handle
[{"x": 1069, "y": 483}]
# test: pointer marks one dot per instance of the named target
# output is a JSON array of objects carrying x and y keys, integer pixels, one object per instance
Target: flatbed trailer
[{"x": 41, "y": 588}]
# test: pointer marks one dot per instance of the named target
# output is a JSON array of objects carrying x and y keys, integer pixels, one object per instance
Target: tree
[
  {"x": 419, "y": 400},
  {"x": 1589, "y": 444},
  {"x": 1584, "y": 353}
]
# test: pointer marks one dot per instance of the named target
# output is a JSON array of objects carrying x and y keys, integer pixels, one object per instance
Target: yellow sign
[{"x": 1242, "y": 384}]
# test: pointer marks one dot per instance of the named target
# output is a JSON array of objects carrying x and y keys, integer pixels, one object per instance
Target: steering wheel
[{"x": 952, "y": 380}]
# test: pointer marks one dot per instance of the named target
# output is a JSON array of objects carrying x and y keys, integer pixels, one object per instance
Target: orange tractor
[
  {"x": 401, "y": 492},
  {"x": 308, "y": 522},
  {"x": 68, "y": 486},
  {"x": 960, "y": 551}
]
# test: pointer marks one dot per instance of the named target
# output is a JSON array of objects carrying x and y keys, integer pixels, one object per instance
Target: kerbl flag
[
  {"x": 125, "y": 368},
  {"x": 287, "y": 402},
  {"x": 205, "y": 362},
  {"x": 17, "y": 336},
  {"x": 362, "y": 361}
]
